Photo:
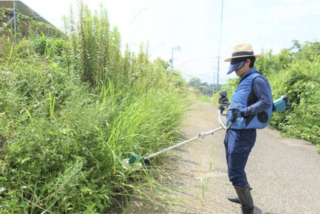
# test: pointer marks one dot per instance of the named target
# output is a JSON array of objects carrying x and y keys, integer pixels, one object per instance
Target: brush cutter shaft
[
  {"x": 131, "y": 163},
  {"x": 203, "y": 134}
]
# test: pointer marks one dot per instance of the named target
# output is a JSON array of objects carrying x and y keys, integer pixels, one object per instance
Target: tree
[{"x": 194, "y": 82}]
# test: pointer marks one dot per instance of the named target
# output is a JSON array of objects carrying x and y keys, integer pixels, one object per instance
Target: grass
[
  {"x": 205, "y": 99},
  {"x": 72, "y": 109}
]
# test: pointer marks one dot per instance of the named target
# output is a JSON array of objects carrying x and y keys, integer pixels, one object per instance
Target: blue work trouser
[{"x": 238, "y": 144}]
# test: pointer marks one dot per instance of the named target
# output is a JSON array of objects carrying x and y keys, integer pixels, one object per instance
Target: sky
[{"x": 194, "y": 26}]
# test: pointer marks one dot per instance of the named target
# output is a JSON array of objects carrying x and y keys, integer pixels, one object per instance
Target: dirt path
[{"x": 284, "y": 173}]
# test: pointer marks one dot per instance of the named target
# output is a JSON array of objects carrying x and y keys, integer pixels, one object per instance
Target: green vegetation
[
  {"x": 202, "y": 88},
  {"x": 71, "y": 109},
  {"x": 204, "y": 99},
  {"x": 295, "y": 72}
]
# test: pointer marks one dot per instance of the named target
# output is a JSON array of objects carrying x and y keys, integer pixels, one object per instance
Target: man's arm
[{"x": 260, "y": 90}]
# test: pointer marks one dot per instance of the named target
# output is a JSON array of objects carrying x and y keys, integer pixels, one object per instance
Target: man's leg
[
  {"x": 245, "y": 198},
  {"x": 238, "y": 147},
  {"x": 237, "y": 177},
  {"x": 235, "y": 199},
  {"x": 236, "y": 167},
  {"x": 230, "y": 136}
]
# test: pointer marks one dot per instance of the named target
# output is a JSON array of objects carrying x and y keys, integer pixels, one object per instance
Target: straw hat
[{"x": 241, "y": 50}]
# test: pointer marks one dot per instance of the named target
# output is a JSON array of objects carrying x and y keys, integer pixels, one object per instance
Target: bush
[
  {"x": 301, "y": 85},
  {"x": 66, "y": 124},
  {"x": 297, "y": 75}
]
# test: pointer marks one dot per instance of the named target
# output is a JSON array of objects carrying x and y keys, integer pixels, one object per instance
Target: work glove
[{"x": 236, "y": 113}]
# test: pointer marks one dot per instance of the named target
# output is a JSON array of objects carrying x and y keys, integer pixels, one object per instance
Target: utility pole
[
  {"x": 218, "y": 68},
  {"x": 15, "y": 20},
  {"x": 172, "y": 59},
  {"x": 214, "y": 76},
  {"x": 172, "y": 50}
]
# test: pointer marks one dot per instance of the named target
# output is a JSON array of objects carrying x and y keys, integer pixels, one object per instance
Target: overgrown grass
[{"x": 72, "y": 110}]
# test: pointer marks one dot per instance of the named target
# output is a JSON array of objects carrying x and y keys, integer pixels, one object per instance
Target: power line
[
  {"x": 141, "y": 11},
  {"x": 218, "y": 68}
]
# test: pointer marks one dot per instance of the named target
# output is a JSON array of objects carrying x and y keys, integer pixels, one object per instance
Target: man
[{"x": 250, "y": 108}]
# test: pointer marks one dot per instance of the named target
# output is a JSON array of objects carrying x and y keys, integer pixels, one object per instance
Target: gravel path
[{"x": 283, "y": 172}]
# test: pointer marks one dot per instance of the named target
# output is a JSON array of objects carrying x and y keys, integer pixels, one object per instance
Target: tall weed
[{"x": 71, "y": 110}]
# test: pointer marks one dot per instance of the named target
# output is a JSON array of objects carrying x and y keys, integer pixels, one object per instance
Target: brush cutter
[{"x": 136, "y": 162}]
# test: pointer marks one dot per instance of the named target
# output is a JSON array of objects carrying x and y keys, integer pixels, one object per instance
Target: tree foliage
[{"x": 202, "y": 88}]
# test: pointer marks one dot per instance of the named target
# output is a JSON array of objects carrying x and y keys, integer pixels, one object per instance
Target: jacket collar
[{"x": 251, "y": 71}]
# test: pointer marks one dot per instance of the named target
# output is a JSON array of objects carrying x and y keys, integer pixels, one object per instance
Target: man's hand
[
  {"x": 236, "y": 113},
  {"x": 221, "y": 109}
]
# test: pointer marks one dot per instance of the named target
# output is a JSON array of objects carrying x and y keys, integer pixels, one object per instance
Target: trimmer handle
[
  {"x": 223, "y": 99},
  {"x": 221, "y": 108},
  {"x": 220, "y": 121}
]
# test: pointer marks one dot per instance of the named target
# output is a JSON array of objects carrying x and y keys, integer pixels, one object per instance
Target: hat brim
[
  {"x": 234, "y": 67},
  {"x": 229, "y": 59}
]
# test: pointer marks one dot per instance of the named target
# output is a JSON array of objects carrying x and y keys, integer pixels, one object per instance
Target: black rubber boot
[
  {"x": 245, "y": 198},
  {"x": 235, "y": 199}
]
